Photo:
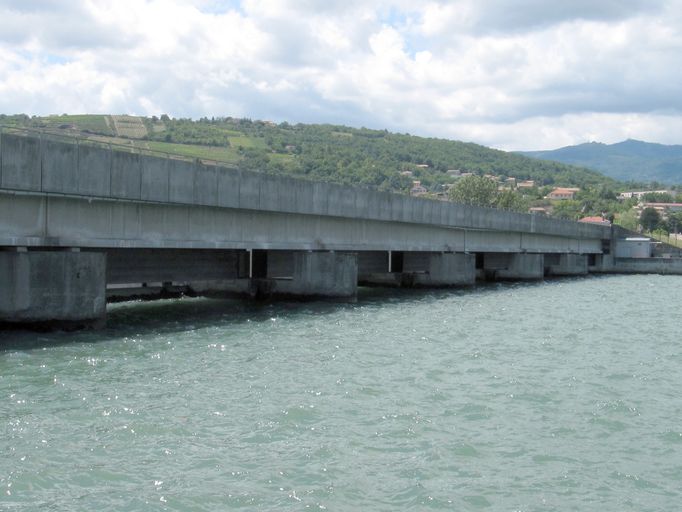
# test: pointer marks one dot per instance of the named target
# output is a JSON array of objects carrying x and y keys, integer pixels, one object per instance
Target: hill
[
  {"x": 630, "y": 160},
  {"x": 359, "y": 156}
]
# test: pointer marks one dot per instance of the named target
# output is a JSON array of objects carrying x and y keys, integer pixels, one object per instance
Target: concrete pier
[
  {"x": 448, "y": 269},
  {"x": 323, "y": 274},
  {"x": 63, "y": 289},
  {"x": 513, "y": 266},
  {"x": 418, "y": 269},
  {"x": 566, "y": 264}
]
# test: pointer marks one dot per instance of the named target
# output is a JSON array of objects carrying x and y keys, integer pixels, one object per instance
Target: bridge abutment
[{"x": 63, "y": 289}]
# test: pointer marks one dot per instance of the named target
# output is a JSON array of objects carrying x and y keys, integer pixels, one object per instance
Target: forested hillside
[{"x": 363, "y": 157}]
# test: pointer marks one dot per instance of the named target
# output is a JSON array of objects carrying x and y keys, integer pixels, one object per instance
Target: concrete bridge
[{"x": 81, "y": 222}]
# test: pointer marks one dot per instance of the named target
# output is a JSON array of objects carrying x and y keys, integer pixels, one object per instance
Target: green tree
[
  {"x": 475, "y": 191},
  {"x": 568, "y": 209},
  {"x": 628, "y": 220},
  {"x": 658, "y": 197},
  {"x": 675, "y": 222},
  {"x": 650, "y": 219},
  {"x": 510, "y": 200}
]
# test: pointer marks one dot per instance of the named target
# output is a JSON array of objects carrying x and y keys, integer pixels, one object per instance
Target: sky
[{"x": 509, "y": 74}]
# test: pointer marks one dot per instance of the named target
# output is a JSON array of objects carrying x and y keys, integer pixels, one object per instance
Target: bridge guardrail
[{"x": 539, "y": 223}]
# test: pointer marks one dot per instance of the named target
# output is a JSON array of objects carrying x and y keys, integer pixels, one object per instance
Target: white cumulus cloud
[{"x": 523, "y": 74}]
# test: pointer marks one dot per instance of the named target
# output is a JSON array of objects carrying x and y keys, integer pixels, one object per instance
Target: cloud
[
  {"x": 505, "y": 16},
  {"x": 507, "y": 74},
  {"x": 554, "y": 132}
]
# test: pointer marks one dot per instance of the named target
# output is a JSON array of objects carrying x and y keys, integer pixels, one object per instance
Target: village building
[
  {"x": 526, "y": 184},
  {"x": 562, "y": 193},
  {"x": 640, "y": 193},
  {"x": 664, "y": 209},
  {"x": 596, "y": 220}
]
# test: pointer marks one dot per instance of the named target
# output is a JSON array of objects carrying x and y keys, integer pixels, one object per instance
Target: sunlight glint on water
[{"x": 555, "y": 396}]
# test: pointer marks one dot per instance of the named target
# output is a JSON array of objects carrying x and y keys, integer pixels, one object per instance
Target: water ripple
[{"x": 555, "y": 396}]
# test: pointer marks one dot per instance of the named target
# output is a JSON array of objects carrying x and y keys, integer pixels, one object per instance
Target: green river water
[{"x": 562, "y": 395}]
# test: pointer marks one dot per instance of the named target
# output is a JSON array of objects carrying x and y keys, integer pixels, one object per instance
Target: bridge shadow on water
[{"x": 168, "y": 316}]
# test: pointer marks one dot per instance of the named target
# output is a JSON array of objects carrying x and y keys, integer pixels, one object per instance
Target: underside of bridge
[{"x": 69, "y": 287}]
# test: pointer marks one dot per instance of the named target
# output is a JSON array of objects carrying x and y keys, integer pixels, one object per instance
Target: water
[{"x": 563, "y": 395}]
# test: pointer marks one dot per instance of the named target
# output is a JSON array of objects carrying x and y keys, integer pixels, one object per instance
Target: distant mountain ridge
[{"x": 630, "y": 160}]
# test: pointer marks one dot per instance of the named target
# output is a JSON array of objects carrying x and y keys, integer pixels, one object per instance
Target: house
[
  {"x": 664, "y": 209},
  {"x": 417, "y": 189},
  {"x": 423, "y": 166},
  {"x": 510, "y": 182},
  {"x": 640, "y": 193},
  {"x": 406, "y": 173},
  {"x": 562, "y": 193},
  {"x": 595, "y": 220},
  {"x": 526, "y": 184}
]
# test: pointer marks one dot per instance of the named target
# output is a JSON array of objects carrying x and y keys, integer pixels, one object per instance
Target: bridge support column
[
  {"x": 601, "y": 263},
  {"x": 62, "y": 289},
  {"x": 423, "y": 269},
  {"x": 447, "y": 269},
  {"x": 566, "y": 264},
  {"x": 513, "y": 266},
  {"x": 316, "y": 275}
]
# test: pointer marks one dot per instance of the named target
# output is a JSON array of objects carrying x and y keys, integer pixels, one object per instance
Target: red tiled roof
[{"x": 595, "y": 220}]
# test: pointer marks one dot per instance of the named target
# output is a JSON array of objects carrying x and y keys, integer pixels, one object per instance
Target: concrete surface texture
[
  {"x": 646, "y": 266},
  {"x": 514, "y": 266},
  {"x": 54, "y": 286},
  {"x": 566, "y": 264},
  {"x": 324, "y": 274},
  {"x": 40, "y": 165}
]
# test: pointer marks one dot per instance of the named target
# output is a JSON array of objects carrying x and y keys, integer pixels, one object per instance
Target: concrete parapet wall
[
  {"x": 52, "y": 286},
  {"x": 38, "y": 165}
]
